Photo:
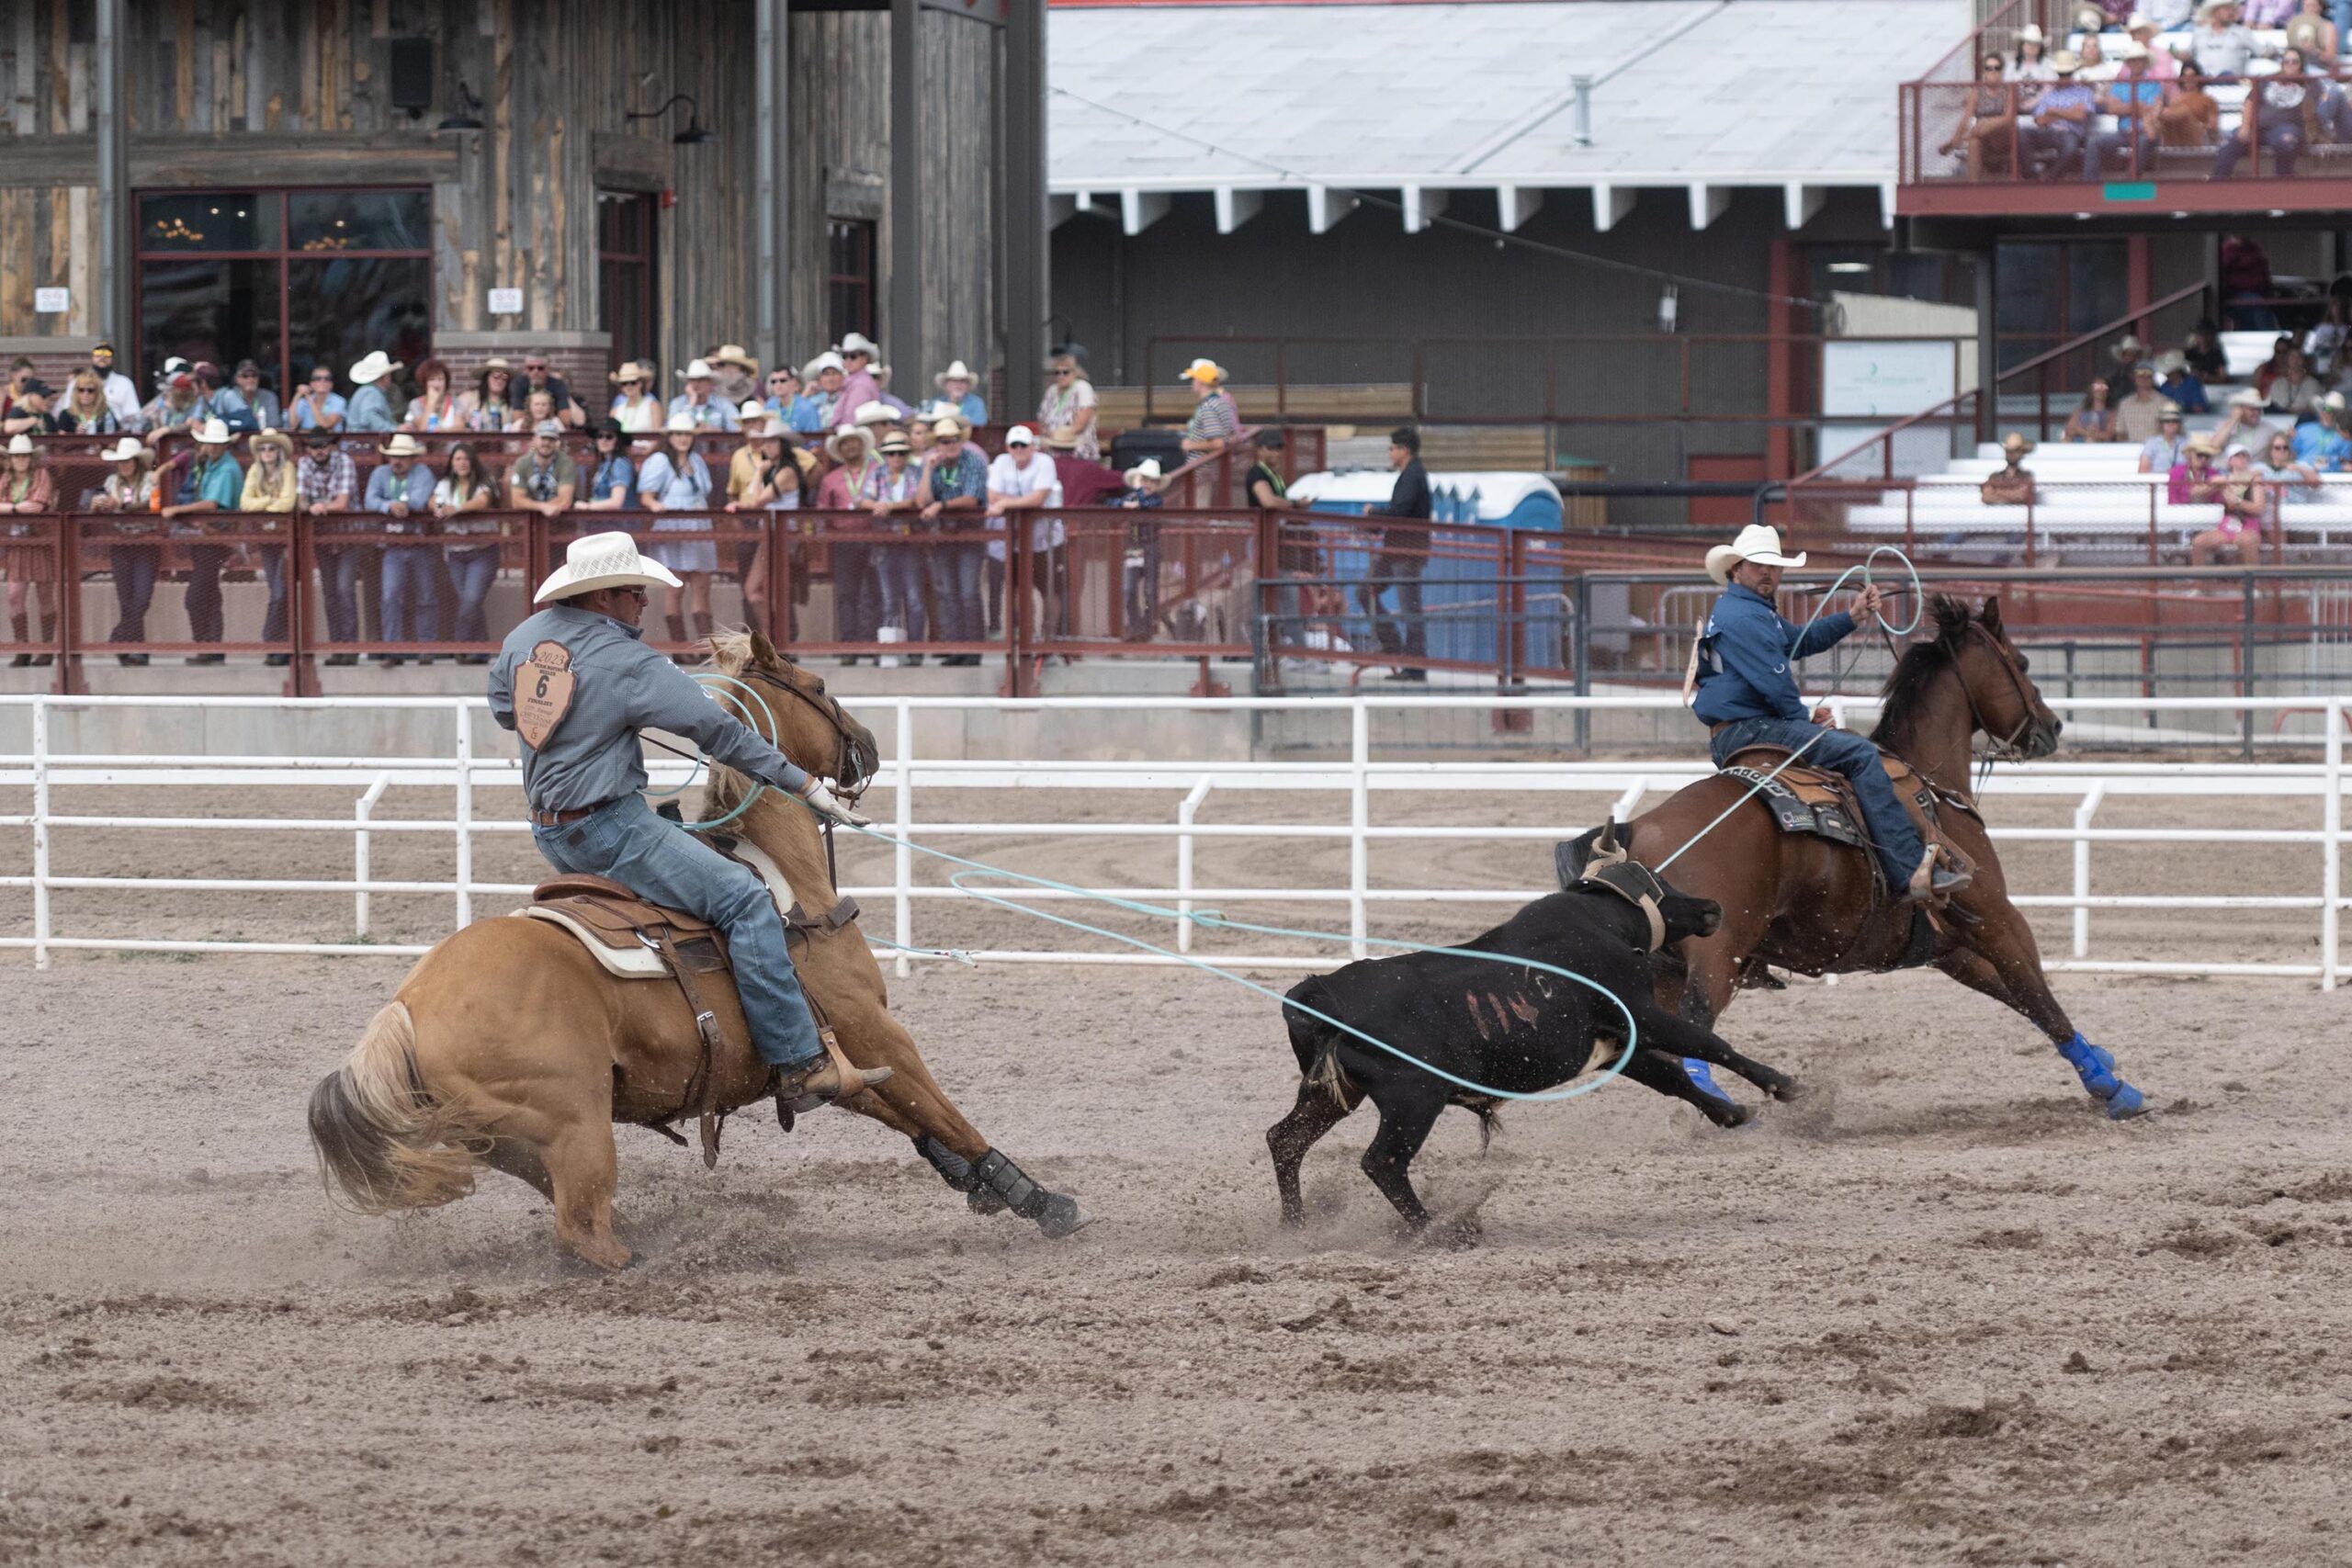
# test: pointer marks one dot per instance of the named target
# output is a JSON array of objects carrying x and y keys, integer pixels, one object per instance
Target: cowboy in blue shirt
[{"x": 1745, "y": 692}]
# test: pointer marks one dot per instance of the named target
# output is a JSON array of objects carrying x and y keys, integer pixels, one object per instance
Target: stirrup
[
  {"x": 825, "y": 1081},
  {"x": 1932, "y": 883}
]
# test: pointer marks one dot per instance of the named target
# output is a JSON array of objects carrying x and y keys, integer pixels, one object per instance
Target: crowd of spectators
[{"x": 430, "y": 520}]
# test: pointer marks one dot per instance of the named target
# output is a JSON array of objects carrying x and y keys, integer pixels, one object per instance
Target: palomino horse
[
  {"x": 508, "y": 1044},
  {"x": 1808, "y": 904}
]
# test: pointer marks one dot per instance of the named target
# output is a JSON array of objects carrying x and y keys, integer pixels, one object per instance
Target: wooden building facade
[{"x": 299, "y": 181}]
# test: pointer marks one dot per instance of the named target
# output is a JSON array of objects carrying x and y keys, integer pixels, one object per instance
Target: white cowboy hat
[
  {"x": 696, "y": 369},
  {"x": 124, "y": 450},
  {"x": 1756, "y": 541},
  {"x": 212, "y": 433},
  {"x": 2246, "y": 397},
  {"x": 602, "y": 561},
  {"x": 2128, "y": 343},
  {"x": 846, "y": 433},
  {"x": 734, "y": 354},
  {"x": 375, "y": 367},
  {"x": 2135, "y": 23},
  {"x": 2031, "y": 33},
  {"x": 678, "y": 421},
  {"x": 858, "y": 343},
  {"x": 21, "y": 444},
  {"x": 401, "y": 445},
  {"x": 1146, "y": 469},
  {"x": 753, "y": 409},
  {"x": 873, "y": 412},
  {"x": 958, "y": 372},
  {"x": 822, "y": 363},
  {"x": 1202, "y": 370}
]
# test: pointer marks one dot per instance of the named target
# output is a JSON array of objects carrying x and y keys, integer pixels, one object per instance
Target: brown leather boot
[
  {"x": 676, "y": 625},
  {"x": 702, "y": 635},
  {"x": 1933, "y": 884},
  {"x": 16, "y": 624},
  {"x": 47, "y": 641},
  {"x": 828, "y": 1080}
]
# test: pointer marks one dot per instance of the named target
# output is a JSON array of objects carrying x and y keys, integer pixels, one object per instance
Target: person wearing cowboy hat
[
  {"x": 213, "y": 483},
  {"x": 675, "y": 479},
  {"x": 700, "y": 402},
  {"x": 634, "y": 407},
  {"x": 860, "y": 386},
  {"x": 129, "y": 493},
  {"x": 821, "y": 381},
  {"x": 2062, "y": 119},
  {"x": 369, "y": 410},
  {"x": 1743, "y": 687},
  {"x": 857, "y": 596},
  {"x": 2162, "y": 64},
  {"x": 27, "y": 486},
  {"x": 2159, "y": 451},
  {"x": 270, "y": 494},
  {"x": 578, "y": 685},
  {"x": 2221, "y": 46},
  {"x": 953, "y": 494},
  {"x": 955, "y": 385},
  {"x": 1215, "y": 420},
  {"x": 2326, "y": 443},
  {"x": 399, "y": 490},
  {"x": 737, "y": 373},
  {"x": 2242, "y": 421},
  {"x": 2011, "y": 484},
  {"x": 2176, "y": 381}
]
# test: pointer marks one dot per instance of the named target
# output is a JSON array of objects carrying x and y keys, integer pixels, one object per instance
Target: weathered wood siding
[
  {"x": 45, "y": 230},
  {"x": 959, "y": 160}
]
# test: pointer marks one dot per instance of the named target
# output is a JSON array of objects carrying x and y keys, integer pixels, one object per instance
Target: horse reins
[{"x": 2002, "y": 748}]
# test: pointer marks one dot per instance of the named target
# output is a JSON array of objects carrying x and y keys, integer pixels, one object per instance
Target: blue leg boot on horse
[{"x": 2096, "y": 1066}]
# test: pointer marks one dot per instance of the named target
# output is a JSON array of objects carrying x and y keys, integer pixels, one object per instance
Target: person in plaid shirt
[{"x": 325, "y": 481}]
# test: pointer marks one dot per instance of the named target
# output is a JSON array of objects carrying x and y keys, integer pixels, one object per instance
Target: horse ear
[
  {"x": 763, "y": 650},
  {"x": 1991, "y": 615}
]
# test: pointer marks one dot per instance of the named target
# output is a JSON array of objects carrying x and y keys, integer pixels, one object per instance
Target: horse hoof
[
  {"x": 984, "y": 1202},
  {"x": 1064, "y": 1216},
  {"x": 2125, "y": 1103}
]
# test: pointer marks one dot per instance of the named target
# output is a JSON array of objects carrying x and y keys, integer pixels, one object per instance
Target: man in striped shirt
[{"x": 1215, "y": 420}]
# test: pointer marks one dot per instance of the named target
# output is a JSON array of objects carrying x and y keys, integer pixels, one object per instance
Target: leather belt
[
  {"x": 1715, "y": 730},
  {"x": 563, "y": 818}
]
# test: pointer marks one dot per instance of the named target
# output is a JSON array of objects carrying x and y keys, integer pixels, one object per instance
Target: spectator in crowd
[
  {"x": 2245, "y": 501},
  {"x": 874, "y": 418},
  {"x": 897, "y": 404},
  {"x": 2194, "y": 479},
  {"x": 490, "y": 408},
  {"x": 208, "y": 385},
  {"x": 434, "y": 407},
  {"x": 635, "y": 407},
  {"x": 327, "y": 482},
  {"x": 270, "y": 493},
  {"x": 763, "y": 477},
  {"x": 2266, "y": 14},
  {"x": 370, "y": 409},
  {"x": 2162, "y": 64},
  {"x": 2309, "y": 31},
  {"x": 400, "y": 491},
  {"x": 245, "y": 404},
  {"x": 213, "y": 484},
  {"x": 2094, "y": 420},
  {"x": 462, "y": 501},
  {"x": 538, "y": 407},
  {"x": 1082, "y": 483},
  {"x": 2220, "y": 45},
  {"x": 2294, "y": 391},
  {"x": 955, "y": 385},
  {"x": 2293, "y": 480},
  {"x": 1264, "y": 486},
  {"x": 859, "y": 387},
  {"x": 2201, "y": 353},
  {"x": 2160, "y": 453},
  {"x": 1067, "y": 411},
  {"x": 2011, "y": 484},
  {"x": 917, "y": 431},
  {"x": 1988, "y": 124},
  {"x": 86, "y": 411},
  {"x": 953, "y": 492},
  {"x": 2242, "y": 421},
  {"x": 893, "y": 494},
  {"x": 128, "y": 494},
  {"x": 2178, "y": 384},
  {"x": 782, "y": 391},
  {"x": 543, "y": 480},
  {"x": 2062, "y": 118},
  {"x": 1402, "y": 557},
  {"x": 2245, "y": 286},
  {"x": 2189, "y": 118},
  {"x": 29, "y": 409},
  {"x": 2030, "y": 68},
  {"x": 2134, "y": 97},
  {"x": 27, "y": 487},
  {"x": 2326, "y": 444},
  {"x": 676, "y": 479},
  {"x": 1215, "y": 420},
  {"x": 317, "y": 406},
  {"x": 2270, "y": 368},
  {"x": 2287, "y": 120},
  {"x": 2092, "y": 66},
  {"x": 538, "y": 376},
  {"x": 735, "y": 373},
  {"x": 174, "y": 408},
  {"x": 856, "y": 606},
  {"x": 1022, "y": 483},
  {"x": 699, "y": 404},
  {"x": 2137, "y": 416},
  {"x": 821, "y": 380},
  {"x": 2331, "y": 106},
  {"x": 612, "y": 477},
  {"x": 122, "y": 393},
  {"x": 1140, "y": 567}
]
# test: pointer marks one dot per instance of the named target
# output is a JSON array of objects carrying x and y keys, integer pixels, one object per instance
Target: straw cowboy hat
[
  {"x": 2013, "y": 442},
  {"x": 602, "y": 561},
  {"x": 631, "y": 371},
  {"x": 128, "y": 449},
  {"x": 2125, "y": 344},
  {"x": 2170, "y": 410},
  {"x": 2246, "y": 397},
  {"x": 696, "y": 370},
  {"x": 212, "y": 433},
  {"x": 895, "y": 442},
  {"x": 497, "y": 362},
  {"x": 858, "y": 343},
  {"x": 736, "y": 355},
  {"x": 2064, "y": 63},
  {"x": 2171, "y": 360},
  {"x": 1143, "y": 473},
  {"x": 947, "y": 424},
  {"x": 403, "y": 445},
  {"x": 846, "y": 433},
  {"x": 958, "y": 372},
  {"x": 277, "y": 438},
  {"x": 2204, "y": 442},
  {"x": 1203, "y": 370},
  {"x": 873, "y": 412},
  {"x": 375, "y": 367},
  {"x": 1758, "y": 542},
  {"x": 2136, "y": 50},
  {"x": 2136, "y": 24}
]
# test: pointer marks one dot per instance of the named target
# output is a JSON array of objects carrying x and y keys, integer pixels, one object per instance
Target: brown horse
[
  {"x": 509, "y": 1044},
  {"x": 1809, "y": 905}
]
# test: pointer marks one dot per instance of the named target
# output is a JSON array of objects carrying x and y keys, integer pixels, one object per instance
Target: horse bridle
[
  {"x": 2003, "y": 748},
  {"x": 833, "y": 715}
]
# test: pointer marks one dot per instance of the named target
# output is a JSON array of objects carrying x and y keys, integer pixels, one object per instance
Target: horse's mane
[{"x": 1917, "y": 669}]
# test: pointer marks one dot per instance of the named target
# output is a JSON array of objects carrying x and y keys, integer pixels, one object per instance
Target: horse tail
[{"x": 381, "y": 1136}]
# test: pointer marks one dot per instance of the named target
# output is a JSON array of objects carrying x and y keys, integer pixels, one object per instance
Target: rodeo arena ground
[{"x": 1257, "y": 965}]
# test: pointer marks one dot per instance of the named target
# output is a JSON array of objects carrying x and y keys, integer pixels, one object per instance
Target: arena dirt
[{"x": 1939, "y": 1311}]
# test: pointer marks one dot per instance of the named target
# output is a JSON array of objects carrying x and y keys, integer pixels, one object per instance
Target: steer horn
[{"x": 1606, "y": 850}]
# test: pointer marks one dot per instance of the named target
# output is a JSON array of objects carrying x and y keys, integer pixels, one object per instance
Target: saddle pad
[
  {"x": 1825, "y": 816},
  {"x": 634, "y": 963}
]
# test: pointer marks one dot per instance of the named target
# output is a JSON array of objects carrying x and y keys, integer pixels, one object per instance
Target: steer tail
[
  {"x": 382, "y": 1138},
  {"x": 1316, "y": 1042}
]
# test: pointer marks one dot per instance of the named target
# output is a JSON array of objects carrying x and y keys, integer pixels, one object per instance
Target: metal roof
[{"x": 1707, "y": 95}]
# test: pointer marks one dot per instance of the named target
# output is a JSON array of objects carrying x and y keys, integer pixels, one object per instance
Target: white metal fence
[{"x": 46, "y": 770}]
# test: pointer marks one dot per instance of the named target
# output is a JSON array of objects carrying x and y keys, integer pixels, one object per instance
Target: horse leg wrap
[
  {"x": 2096, "y": 1068},
  {"x": 1052, "y": 1213},
  {"x": 1702, "y": 1074},
  {"x": 957, "y": 1172}
]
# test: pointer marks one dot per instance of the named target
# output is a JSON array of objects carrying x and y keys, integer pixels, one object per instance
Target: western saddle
[{"x": 1806, "y": 799}]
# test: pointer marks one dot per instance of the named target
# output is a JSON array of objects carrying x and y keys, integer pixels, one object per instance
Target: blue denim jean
[
  {"x": 628, "y": 843},
  {"x": 409, "y": 579},
  {"x": 273, "y": 571},
  {"x": 341, "y": 567},
  {"x": 135, "y": 568},
  {"x": 898, "y": 577},
  {"x": 1840, "y": 751},
  {"x": 472, "y": 573},
  {"x": 953, "y": 568}
]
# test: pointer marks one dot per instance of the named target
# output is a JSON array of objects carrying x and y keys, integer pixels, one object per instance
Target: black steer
[{"x": 1499, "y": 1025}]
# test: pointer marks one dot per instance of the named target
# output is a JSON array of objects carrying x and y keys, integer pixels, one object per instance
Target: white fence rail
[{"x": 2090, "y": 784}]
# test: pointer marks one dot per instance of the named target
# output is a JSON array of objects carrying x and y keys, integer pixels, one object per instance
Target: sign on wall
[
  {"x": 1883, "y": 381},
  {"x": 52, "y": 301},
  {"x": 506, "y": 301}
]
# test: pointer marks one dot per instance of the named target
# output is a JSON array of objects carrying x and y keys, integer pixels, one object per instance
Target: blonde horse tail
[{"x": 382, "y": 1138}]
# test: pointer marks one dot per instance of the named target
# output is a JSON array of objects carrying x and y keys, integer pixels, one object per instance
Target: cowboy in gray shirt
[{"x": 577, "y": 683}]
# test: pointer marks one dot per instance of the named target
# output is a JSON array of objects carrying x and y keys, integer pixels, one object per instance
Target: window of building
[
  {"x": 625, "y": 272},
  {"x": 287, "y": 278},
  {"x": 848, "y": 301}
]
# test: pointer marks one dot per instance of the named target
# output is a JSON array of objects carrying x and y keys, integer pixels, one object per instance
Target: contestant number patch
[{"x": 543, "y": 691}]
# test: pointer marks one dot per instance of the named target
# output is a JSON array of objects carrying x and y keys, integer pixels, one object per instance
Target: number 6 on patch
[{"x": 540, "y": 708}]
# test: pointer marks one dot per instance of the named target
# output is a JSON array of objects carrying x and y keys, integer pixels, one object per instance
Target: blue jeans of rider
[
  {"x": 628, "y": 843},
  {"x": 1843, "y": 752}
]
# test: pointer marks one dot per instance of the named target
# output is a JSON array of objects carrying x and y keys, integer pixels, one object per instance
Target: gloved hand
[{"x": 826, "y": 804}]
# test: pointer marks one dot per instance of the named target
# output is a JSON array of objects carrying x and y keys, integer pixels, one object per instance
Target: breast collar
[{"x": 1638, "y": 885}]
